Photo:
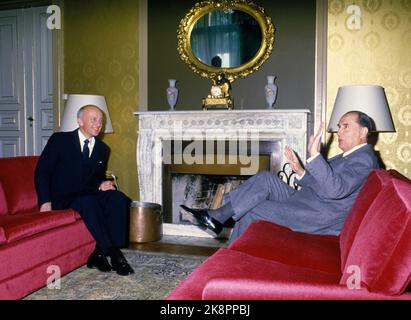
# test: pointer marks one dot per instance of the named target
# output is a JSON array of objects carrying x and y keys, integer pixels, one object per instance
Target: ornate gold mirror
[{"x": 224, "y": 40}]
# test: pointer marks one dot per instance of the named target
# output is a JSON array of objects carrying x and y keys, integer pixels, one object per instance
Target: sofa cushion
[
  {"x": 17, "y": 178},
  {"x": 23, "y": 225},
  {"x": 231, "y": 264},
  {"x": 3, "y": 203},
  {"x": 382, "y": 245},
  {"x": 368, "y": 193},
  {"x": 234, "y": 275},
  {"x": 36, "y": 272},
  {"x": 275, "y": 288},
  {"x": 23, "y": 256},
  {"x": 271, "y": 241}
]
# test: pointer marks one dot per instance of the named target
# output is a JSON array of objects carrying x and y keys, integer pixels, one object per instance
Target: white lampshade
[
  {"x": 369, "y": 99},
  {"x": 75, "y": 102}
]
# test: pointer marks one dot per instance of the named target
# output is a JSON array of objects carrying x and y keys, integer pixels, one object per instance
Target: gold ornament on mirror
[{"x": 250, "y": 22}]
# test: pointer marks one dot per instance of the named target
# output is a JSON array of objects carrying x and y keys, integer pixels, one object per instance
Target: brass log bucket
[{"x": 146, "y": 222}]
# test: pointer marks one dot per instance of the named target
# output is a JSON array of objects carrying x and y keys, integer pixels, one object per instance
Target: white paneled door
[{"x": 26, "y": 87}]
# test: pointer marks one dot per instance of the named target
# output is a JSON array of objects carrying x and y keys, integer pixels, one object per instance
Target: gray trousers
[{"x": 255, "y": 199}]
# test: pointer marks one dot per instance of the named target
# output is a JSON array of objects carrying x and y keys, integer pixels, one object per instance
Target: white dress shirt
[{"x": 90, "y": 144}]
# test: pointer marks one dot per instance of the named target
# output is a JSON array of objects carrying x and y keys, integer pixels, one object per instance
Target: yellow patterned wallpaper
[
  {"x": 101, "y": 57},
  {"x": 378, "y": 52}
]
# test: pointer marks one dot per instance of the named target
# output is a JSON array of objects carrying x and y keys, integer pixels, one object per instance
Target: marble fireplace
[{"x": 192, "y": 138}]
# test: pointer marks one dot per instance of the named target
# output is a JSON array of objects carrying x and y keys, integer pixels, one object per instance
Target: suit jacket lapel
[
  {"x": 339, "y": 159},
  {"x": 96, "y": 149},
  {"x": 94, "y": 153},
  {"x": 77, "y": 147}
]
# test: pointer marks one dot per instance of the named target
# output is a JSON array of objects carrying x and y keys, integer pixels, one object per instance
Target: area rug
[{"x": 156, "y": 275}]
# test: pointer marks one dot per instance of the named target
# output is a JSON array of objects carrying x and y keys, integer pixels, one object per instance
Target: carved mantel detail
[{"x": 287, "y": 126}]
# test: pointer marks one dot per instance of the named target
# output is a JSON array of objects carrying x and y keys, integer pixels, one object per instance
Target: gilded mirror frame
[{"x": 199, "y": 10}]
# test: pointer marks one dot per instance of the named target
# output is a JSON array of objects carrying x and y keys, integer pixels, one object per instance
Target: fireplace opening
[
  {"x": 199, "y": 191},
  {"x": 205, "y": 184}
]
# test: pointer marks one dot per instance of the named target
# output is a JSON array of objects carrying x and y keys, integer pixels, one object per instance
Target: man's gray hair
[{"x": 81, "y": 110}]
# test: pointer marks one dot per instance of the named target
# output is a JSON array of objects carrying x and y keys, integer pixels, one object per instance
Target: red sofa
[
  {"x": 31, "y": 241},
  {"x": 371, "y": 259}
]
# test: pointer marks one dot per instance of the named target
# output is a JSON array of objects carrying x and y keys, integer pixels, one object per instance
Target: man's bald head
[{"x": 90, "y": 120}]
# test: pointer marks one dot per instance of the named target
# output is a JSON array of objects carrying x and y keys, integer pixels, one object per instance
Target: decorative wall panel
[
  {"x": 369, "y": 42},
  {"x": 101, "y": 57}
]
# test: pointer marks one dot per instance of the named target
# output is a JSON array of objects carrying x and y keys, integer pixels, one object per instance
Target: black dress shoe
[
  {"x": 202, "y": 217},
  {"x": 99, "y": 261},
  {"x": 119, "y": 263}
]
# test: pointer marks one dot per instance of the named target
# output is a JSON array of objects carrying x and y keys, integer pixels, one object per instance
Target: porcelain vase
[
  {"x": 172, "y": 94},
  {"x": 270, "y": 90}
]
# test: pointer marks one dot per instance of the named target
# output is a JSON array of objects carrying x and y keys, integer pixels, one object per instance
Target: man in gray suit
[{"x": 328, "y": 188}]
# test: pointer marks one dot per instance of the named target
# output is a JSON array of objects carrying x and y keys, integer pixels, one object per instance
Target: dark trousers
[{"x": 106, "y": 215}]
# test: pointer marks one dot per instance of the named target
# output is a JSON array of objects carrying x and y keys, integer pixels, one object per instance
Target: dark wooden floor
[{"x": 174, "y": 248}]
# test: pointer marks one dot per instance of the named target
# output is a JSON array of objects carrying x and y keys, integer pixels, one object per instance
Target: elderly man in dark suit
[
  {"x": 328, "y": 191},
  {"x": 71, "y": 174}
]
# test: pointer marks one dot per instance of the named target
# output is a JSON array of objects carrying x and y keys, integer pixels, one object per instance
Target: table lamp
[
  {"x": 369, "y": 99},
  {"x": 75, "y": 102}
]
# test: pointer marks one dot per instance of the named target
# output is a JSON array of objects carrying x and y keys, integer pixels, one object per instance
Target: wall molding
[
  {"x": 143, "y": 56},
  {"x": 17, "y": 4},
  {"x": 58, "y": 69},
  {"x": 321, "y": 37}
]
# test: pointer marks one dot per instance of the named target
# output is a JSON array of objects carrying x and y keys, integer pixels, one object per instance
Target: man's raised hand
[
  {"x": 293, "y": 160},
  {"x": 314, "y": 143}
]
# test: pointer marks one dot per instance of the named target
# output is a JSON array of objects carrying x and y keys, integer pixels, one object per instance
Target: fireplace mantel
[{"x": 287, "y": 126}]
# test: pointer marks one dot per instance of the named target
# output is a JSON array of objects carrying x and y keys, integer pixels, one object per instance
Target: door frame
[
  {"x": 58, "y": 52},
  {"x": 58, "y": 69}
]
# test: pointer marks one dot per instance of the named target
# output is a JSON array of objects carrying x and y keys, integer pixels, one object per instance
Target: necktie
[{"x": 86, "y": 150}]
